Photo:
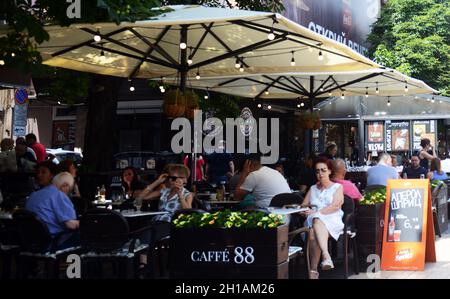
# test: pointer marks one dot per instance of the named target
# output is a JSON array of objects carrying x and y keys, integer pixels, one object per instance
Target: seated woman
[
  {"x": 436, "y": 172},
  {"x": 131, "y": 183},
  {"x": 327, "y": 220},
  {"x": 172, "y": 196}
]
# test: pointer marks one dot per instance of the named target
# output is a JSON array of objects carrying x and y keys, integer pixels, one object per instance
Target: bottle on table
[{"x": 102, "y": 193}]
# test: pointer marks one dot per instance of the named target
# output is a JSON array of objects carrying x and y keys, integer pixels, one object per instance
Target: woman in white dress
[{"x": 326, "y": 221}]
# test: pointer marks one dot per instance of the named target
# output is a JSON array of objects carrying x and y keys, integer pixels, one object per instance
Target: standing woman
[
  {"x": 424, "y": 154},
  {"x": 327, "y": 220},
  {"x": 436, "y": 172}
]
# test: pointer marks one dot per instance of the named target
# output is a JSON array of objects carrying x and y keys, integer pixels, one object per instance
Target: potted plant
[
  {"x": 174, "y": 103},
  {"x": 370, "y": 224},
  {"x": 228, "y": 244},
  {"x": 310, "y": 120}
]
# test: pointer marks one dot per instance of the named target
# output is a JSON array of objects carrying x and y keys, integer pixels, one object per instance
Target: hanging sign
[
  {"x": 397, "y": 136},
  {"x": 21, "y": 96},
  {"x": 375, "y": 136},
  {"x": 408, "y": 239},
  {"x": 423, "y": 129}
]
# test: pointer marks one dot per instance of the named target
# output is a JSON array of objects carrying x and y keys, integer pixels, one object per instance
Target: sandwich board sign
[{"x": 408, "y": 239}]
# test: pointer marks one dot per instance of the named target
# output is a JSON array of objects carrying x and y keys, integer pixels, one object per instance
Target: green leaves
[
  {"x": 413, "y": 37},
  {"x": 374, "y": 197},
  {"x": 229, "y": 219}
]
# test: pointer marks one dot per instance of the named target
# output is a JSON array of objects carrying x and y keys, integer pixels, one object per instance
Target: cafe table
[{"x": 135, "y": 214}]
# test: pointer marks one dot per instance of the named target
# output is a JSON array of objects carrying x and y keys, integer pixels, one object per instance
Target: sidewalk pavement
[{"x": 438, "y": 270}]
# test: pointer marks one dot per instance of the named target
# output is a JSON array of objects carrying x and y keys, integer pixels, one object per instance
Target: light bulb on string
[
  {"x": 266, "y": 92},
  {"x": 189, "y": 61},
  {"x": 342, "y": 96},
  {"x": 2, "y": 62},
  {"x": 198, "y": 75},
  {"x": 271, "y": 35},
  {"x": 406, "y": 88},
  {"x": 241, "y": 69},
  {"x": 292, "y": 59},
  {"x": 183, "y": 45},
  {"x": 259, "y": 105},
  {"x": 389, "y": 103},
  {"x": 320, "y": 56},
  {"x": 367, "y": 93},
  {"x": 237, "y": 64},
  {"x": 97, "y": 37},
  {"x": 269, "y": 107},
  {"x": 13, "y": 54},
  {"x": 376, "y": 89},
  {"x": 298, "y": 106},
  {"x": 302, "y": 104}
]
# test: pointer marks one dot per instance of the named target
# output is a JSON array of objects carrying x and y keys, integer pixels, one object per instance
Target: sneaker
[{"x": 327, "y": 264}]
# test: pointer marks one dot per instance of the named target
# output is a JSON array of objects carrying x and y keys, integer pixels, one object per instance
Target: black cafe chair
[
  {"x": 37, "y": 244},
  {"x": 348, "y": 238},
  {"x": 283, "y": 199},
  {"x": 106, "y": 237}
]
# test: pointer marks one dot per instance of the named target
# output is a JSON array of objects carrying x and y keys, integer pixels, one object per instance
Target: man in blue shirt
[
  {"x": 54, "y": 208},
  {"x": 378, "y": 175},
  {"x": 415, "y": 170}
]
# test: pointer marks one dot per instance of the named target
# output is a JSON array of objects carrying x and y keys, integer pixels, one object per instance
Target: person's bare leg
[
  {"x": 321, "y": 234},
  {"x": 314, "y": 255}
]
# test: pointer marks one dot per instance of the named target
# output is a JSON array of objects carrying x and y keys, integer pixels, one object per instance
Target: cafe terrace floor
[{"x": 438, "y": 270}]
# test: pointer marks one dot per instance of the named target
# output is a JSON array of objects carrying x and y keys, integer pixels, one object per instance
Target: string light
[
  {"x": 206, "y": 95},
  {"x": 198, "y": 75},
  {"x": 13, "y": 54},
  {"x": 342, "y": 95},
  {"x": 271, "y": 35},
  {"x": 302, "y": 104},
  {"x": 292, "y": 59},
  {"x": 97, "y": 37},
  {"x": 131, "y": 85},
  {"x": 321, "y": 89},
  {"x": 189, "y": 61},
  {"x": 389, "y": 103},
  {"x": 183, "y": 45},
  {"x": 376, "y": 89},
  {"x": 329, "y": 94},
  {"x": 320, "y": 56},
  {"x": 406, "y": 87},
  {"x": 269, "y": 107},
  {"x": 298, "y": 105},
  {"x": 440, "y": 102},
  {"x": 367, "y": 93},
  {"x": 241, "y": 69},
  {"x": 237, "y": 63},
  {"x": 432, "y": 100},
  {"x": 259, "y": 105},
  {"x": 266, "y": 92},
  {"x": 2, "y": 62}
]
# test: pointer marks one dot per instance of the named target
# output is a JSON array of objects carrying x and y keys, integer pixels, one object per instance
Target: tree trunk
[{"x": 100, "y": 134}]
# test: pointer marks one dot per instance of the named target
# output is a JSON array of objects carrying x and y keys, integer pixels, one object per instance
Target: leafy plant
[
  {"x": 229, "y": 219},
  {"x": 374, "y": 196}
]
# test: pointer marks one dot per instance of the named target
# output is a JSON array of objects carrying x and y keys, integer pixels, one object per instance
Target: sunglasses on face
[
  {"x": 174, "y": 178},
  {"x": 319, "y": 170}
]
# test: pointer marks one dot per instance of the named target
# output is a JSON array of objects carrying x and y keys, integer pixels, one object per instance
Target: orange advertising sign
[{"x": 408, "y": 239}]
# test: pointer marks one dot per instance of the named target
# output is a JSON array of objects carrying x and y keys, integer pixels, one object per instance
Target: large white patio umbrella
[
  {"x": 198, "y": 41},
  {"x": 373, "y": 82}
]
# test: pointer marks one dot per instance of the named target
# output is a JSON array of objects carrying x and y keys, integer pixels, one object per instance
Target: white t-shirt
[{"x": 264, "y": 184}]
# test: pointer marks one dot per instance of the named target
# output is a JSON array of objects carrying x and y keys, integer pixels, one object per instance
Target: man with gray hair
[
  {"x": 378, "y": 175},
  {"x": 52, "y": 206}
]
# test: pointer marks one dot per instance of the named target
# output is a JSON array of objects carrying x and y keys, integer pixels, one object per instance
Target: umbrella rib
[
  {"x": 90, "y": 41},
  {"x": 300, "y": 85},
  {"x": 228, "y": 81},
  {"x": 150, "y": 50},
  {"x": 223, "y": 44},
  {"x": 283, "y": 84},
  {"x": 266, "y": 88},
  {"x": 323, "y": 84},
  {"x": 409, "y": 83},
  {"x": 349, "y": 83},
  {"x": 201, "y": 39},
  {"x": 131, "y": 55},
  {"x": 116, "y": 41},
  {"x": 248, "y": 24},
  {"x": 156, "y": 47},
  {"x": 263, "y": 43}
]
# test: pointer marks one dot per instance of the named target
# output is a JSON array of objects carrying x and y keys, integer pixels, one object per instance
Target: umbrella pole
[{"x": 184, "y": 65}]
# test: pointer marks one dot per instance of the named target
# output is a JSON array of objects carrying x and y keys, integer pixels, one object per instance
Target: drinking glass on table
[{"x": 137, "y": 204}]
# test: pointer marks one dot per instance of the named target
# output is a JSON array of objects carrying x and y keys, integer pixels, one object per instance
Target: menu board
[
  {"x": 375, "y": 136},
  {"x": 423, "y": 129},
  {"x": 409, "y": 233},
  {"x": 397, "y": 136}
]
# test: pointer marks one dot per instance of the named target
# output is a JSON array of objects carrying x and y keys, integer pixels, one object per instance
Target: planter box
[
  {"x": 369, "y": 225},
  {"x": 229, "y": 253}
]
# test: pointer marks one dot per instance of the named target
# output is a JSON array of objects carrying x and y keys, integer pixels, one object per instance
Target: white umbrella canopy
[
  {"x": 216, "y": 40},
  {"x": 373, "y": 82}
]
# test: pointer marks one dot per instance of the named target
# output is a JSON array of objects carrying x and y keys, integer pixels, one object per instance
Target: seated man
[
  {"x": 378, "y": 175},
  {"x": 415, "y": 170},
  {"x": 339, "y": 177},
  {"x": 261, "y": 181},
  {"x": 55, "y": 209}
]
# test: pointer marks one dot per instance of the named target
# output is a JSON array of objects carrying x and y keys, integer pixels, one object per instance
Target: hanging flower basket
[
  {"x": 192, "y": 104},
  {"x": 310, "y": 121},
  {"x": 174, "y": 103}
]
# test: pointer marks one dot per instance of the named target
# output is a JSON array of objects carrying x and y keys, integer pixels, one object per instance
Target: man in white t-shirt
[{"x": 260, "y": 181}]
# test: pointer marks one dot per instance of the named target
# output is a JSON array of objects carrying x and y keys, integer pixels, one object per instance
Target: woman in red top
[{"x": 199, "y": 173}]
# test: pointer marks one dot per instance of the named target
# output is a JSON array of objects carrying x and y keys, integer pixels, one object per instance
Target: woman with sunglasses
[{"x": 327, "y": 220}]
